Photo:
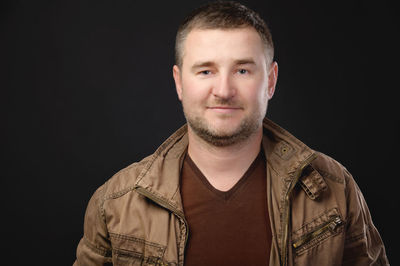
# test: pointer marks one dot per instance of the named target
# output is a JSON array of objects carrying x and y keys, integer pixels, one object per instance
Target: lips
[{"x": 224, "y": 109}]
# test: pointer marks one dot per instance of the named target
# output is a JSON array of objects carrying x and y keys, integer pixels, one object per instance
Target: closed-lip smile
[{"x": 224, "y": 109}]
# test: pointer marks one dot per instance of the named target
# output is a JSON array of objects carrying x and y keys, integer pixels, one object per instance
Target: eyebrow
[
  {"x": 202, "y": 64},
  {"x": 244, "y": 61}
]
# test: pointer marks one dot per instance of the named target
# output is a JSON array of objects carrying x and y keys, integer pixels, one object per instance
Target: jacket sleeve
[
  {"x": 363, "y": 244},
  {"x": 94, "y": 248}
]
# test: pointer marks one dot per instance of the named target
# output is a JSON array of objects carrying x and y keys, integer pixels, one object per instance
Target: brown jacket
[{"x": 318, "y": 215}]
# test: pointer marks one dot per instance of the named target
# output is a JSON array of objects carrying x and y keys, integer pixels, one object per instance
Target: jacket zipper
[
  {"x": 166, "y": 205},
  {"x": 331, "y": 225},
  {"x": 286, "y": 214}
]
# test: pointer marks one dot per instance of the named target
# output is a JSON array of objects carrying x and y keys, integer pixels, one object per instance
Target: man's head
[
  {"x": 223, "y": 15},
  {"x": 225, "y": 75}
]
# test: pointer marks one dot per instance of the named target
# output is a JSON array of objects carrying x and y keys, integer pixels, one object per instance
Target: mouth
[{"x": 224, "y": 109}]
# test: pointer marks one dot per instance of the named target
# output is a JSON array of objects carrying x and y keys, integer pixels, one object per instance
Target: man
[{"x": 231, "y": 187}]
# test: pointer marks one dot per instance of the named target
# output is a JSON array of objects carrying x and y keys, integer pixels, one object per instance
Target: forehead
[{"x": 222, "y": 45}]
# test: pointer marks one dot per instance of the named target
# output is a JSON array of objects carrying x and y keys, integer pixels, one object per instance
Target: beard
[{"x": 220, "y": 138}]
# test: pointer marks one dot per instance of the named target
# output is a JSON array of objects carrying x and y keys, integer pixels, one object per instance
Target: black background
[{"x": 87, "y": 88}]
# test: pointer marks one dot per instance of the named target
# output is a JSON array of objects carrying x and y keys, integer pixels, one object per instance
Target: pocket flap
[{"x": 136, "y": 247}]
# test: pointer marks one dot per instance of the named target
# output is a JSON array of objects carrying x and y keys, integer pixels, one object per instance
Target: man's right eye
[{"x": 205, "y": 72}]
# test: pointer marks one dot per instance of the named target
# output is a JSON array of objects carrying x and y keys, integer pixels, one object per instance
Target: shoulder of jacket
[
  {"x": 122, "y": 182},
  {"x": 330, "y": 168}
]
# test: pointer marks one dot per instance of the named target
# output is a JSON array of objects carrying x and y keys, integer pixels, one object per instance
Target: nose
[{"x": 224, "y": 87}]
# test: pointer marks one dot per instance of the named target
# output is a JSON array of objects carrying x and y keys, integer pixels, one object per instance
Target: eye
[
  {"x": 205, "y": 72},
  {"x": 242, "y": 71}
]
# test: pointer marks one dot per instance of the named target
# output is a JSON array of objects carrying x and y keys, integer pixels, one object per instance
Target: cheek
[
  {"x": 194, "y": 91},
  {"x": 256, "y": 92},
  {"x": 257, "y": 99}
]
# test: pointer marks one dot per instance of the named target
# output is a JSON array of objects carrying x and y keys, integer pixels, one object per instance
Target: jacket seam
[
  {"x": 135, "y": 239},
  {"x": 120, "y": 193},
  {"x": 330, "y": 176},
  {"x": 103, "y": 199},
  {"x": 315, "y": 218},
  {"x": 148, "y": 260},
  {"x": 158, "y": 152},
  {"x": 354, "y": 238},
  {"x": 176, "y": 192},
  {"x": 317, "y": 241},
  {"x": 99, "y": 250},
  {"x": 171, "y": 203},
  {"x": 270, "y": 165}
]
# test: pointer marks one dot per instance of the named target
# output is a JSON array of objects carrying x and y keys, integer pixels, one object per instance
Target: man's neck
[{"x": 224, "y": 166}]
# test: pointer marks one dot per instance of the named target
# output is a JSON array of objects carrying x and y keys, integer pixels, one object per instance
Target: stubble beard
[{"x": 247, "y": 127}]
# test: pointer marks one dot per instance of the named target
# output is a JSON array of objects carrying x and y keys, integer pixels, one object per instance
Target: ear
[
  {"x": 272, "y": 79},
  {"x": 178, "y": 81}
]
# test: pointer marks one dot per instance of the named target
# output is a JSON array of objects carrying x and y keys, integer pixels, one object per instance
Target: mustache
[{"x": 224, "y": 102}]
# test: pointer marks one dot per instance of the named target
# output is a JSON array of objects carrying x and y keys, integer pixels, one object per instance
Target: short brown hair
[{"x": 223, "y": 15}]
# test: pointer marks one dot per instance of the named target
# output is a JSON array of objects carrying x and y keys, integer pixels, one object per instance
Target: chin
[{"x": 224, "y": 131}]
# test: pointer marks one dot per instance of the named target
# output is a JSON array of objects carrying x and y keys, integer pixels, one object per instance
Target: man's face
[{"x": 224, "y": 84}]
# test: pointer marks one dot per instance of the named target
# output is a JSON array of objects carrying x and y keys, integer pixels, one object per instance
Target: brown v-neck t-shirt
[{"x": 226, "y": 228}]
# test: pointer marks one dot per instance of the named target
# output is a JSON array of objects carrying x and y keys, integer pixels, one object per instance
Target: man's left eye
[{"x": 242, "y": 71}]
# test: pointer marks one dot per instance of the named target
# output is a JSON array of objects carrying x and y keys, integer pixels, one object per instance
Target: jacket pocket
[
  {"x": 318, "y": 230},
  {"x": 128, "y": 250}
]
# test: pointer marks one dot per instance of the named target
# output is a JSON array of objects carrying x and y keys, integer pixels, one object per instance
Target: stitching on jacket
[
  {"x": 158, "y": 195},
  {"x": 176, "y": 192},
  {"x": 312, "y": 182},
  {"x": 103, "y": 199},
  {"x": 99, "y": 250},
  {"x": 135, "y": 239},
  {"x": 178, "y": 134},
  {"x": 123, "y": 256},
  {"x": 319, "y": 238},
  {"x": 120, "y": 193},
  {"x": 330, "y": 176},
  {"x": 325, "y": 213},
  {"x": 317, "y": 241},
  {"x": 272, "y": 168},
  {"x": 307, "y": 190},
  {"x": 125, "y": 253},
  {"x": 354, "y": 237}
]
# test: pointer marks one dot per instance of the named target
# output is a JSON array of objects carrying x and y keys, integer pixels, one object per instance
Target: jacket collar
[
  {"x": 286, "y": 154},
  {"x": 160, "y": 177}
]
